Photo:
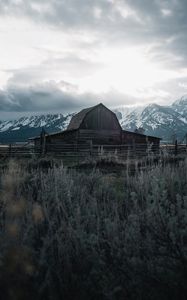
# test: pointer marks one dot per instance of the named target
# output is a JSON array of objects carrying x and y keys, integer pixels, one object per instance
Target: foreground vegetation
[{"x": 67, "y": 234}]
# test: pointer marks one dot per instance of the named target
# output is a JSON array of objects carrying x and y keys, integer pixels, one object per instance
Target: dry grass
[{"x": 89, "y": 235}]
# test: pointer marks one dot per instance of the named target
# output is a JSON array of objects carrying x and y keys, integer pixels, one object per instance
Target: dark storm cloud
[
  {"x": 50, "y": 98},
  {"x": 45, "y": 97}
]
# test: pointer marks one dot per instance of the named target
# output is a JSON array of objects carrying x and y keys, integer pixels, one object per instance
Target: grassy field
[{"x": 97, "y": 230}]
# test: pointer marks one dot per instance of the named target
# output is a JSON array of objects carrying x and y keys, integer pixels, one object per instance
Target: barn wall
[
  {"x": 101, "y": 137},
  {"x": 154, "y": 140},
  {"x": 140, "y": 141},
  {"x": 66, "y": 138},
  {"x": 100, "y": 118},
  {"x": 130, "y": 138}
]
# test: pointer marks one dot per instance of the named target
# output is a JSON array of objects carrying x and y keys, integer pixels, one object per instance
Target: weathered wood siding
[
  {"x": 100, "y": 118},
  {"x": 100, "y": 126},
  {"x": 131, "y": 138},
  {"x": 154, "y": 140},
  {"x": 68, "y": 137},
  {"x": 101, "y": 137},
  {"x": 143, "y": 141}
]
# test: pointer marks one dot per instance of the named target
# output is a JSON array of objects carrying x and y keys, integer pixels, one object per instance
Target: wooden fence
[
  {"x": 87, "y": 150},
  {"x": 13, "y": 150},
  {"x": 100, "y": 150}
]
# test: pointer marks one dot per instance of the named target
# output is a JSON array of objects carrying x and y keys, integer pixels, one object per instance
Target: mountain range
[{"x": 167, "y": 122}]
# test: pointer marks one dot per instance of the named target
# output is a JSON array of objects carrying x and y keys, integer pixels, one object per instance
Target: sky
[{"x": 64, "y": 55}]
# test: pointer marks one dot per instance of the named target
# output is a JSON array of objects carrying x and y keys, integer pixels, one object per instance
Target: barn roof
[
  {"x": 141, "y": 134},
  {"x": 79, "y": 117},
  {"x": 64, "y": 132}
]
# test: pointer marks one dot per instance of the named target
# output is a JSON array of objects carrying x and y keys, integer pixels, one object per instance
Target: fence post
[
  {"x": 176, "y": 147},
  {"x": 44, "y": 145},
  {"x": 134, "y": 148},
  {"x": 43, "y": 142},
  {"x": 9, "y": 150},
  {"x": 91, "y": 148}
]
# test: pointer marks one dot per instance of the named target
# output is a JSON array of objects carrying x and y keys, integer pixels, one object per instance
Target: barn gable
[
  {"x": 78, "y": 118},
  {"x": 98, "y": 117}
]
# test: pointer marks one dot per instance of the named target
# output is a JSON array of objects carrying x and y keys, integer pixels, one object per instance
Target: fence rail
[{"x": 84, "y": 150}]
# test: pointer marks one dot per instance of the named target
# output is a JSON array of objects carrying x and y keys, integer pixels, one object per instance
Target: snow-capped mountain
[
  {"x": 162, "y": 121},
  {"x": 26, "y": 127},
  {"x": 180, "y": 106}
]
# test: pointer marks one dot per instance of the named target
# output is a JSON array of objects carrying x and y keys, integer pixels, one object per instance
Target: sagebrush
[{"x": 67, "y": 234}]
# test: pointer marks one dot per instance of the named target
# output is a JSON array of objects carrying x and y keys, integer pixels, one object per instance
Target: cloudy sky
[{"x": 63, "y": 55}]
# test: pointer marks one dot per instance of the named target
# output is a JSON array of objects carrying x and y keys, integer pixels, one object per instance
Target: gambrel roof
[{"x": 77, "y": 119}]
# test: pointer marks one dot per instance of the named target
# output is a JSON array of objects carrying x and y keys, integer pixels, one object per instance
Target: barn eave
[{"x": 64, "y": 132}]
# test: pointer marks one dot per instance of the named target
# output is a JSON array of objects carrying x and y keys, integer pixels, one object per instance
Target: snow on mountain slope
[
  {"x": 123, "y": 111},
  {"x": 26, "y": 127},
  {"x": 180, "y": 106},
  {"x": 162, "y": 121},
  {"x": 133, "y": 117},
  {"x": 58, "y": 120}
]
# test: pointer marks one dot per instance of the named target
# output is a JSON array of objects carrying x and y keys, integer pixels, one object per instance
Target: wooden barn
[{"x": 96, "y": 125}]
